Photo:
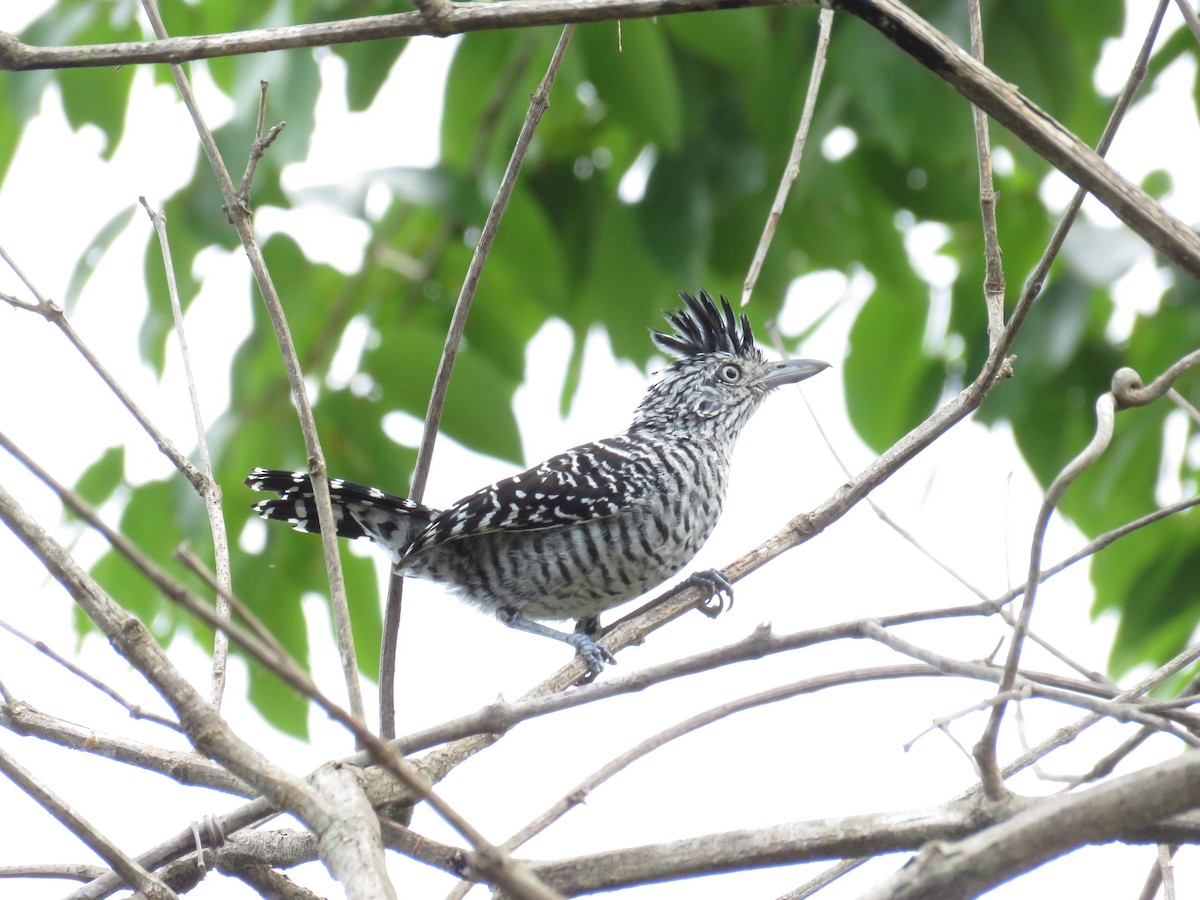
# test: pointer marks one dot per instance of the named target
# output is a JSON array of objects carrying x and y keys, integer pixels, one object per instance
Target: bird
[{"x": 596, "y": 525}]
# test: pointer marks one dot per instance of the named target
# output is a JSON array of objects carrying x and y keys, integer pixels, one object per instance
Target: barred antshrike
[{"x": 596, "y": 525}]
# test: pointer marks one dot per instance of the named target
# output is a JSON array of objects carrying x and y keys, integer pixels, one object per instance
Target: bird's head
[{"x": 719, "y": 376}]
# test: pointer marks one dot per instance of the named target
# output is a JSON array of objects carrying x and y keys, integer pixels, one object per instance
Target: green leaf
[
  {"x": 676, "y": 218},
  {"x": 11, "y": 125},
  {"x": 405, "y": 368},
  {"x": 620, "y": 259},
  {"x": 149, "y": 524},
  {"x": 102, "y": 477},
  {"x": 732, "y": 40},
  {"x": 368, "y": 64},
  {"x": 886, "y": 340},
  {"x": 272, "y": 584},
  {"x": 1151, "y": 582},
  {"x": 1157, "y": 183},
  {"x": 635, "y": 76},
  {"x": 494, "y": 61},
  {"x": 100, "y": 97},
  {"x": 95, "y": 251}
]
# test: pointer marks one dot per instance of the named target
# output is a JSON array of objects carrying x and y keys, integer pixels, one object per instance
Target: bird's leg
[
  {"x": 720, "y": 591},
  {"x": 589, "y": 625},
  {"x": 593, "y": 654}
]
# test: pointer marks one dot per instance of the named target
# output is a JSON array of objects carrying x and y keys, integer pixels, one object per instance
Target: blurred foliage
[{"x": 703, "y": 106}]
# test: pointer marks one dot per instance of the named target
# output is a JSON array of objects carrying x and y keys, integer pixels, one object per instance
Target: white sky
[{"x": 968, "y": 499}]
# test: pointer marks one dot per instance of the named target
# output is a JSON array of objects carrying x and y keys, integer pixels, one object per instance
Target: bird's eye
[{"x": 730, "y": 373}]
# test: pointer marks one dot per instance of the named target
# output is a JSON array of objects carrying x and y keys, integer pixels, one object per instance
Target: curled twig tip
[{"x": 1126, "y": 382}]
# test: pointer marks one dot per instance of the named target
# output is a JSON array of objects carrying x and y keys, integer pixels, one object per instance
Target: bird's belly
[{"x": 576, "y": 570}]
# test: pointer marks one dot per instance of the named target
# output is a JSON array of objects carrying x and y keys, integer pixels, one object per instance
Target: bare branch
[
  {"x": 342, "y": 849},
  {"x": 1068, "y": 733},
  {"x": 993, "y": 279},
  {"x": 1126, "y": 391},
  {"x": 211, "y": 492},
  {"x": 180, "y": 845},
  {"x": 71, "y": 871},
  {"x": 16, "y": 56},
  {"x": 260, "y": 146},
  {"x": 1044, "y": 831},
  {"x": 184, "y": 767},
  {"x": 1009, "y": 828},
  {"x": 539, "y": 101}
]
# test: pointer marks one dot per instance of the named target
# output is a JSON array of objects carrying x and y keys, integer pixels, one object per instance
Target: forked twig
[{"x": 53, "y": 313}]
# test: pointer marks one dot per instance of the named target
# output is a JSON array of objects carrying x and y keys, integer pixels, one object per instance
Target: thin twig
[
  {"x": 1189, "y": 16},
  {"x": 135, "y": 711},
  {"x": 182, "y": 844},
  {"x": 70, "y": 871},
  {"x": 792, "y": 171},
  {"x": 539, "y": 101},
  {"x": 985, "y": 750},
  {"x": 1108, "y": 763},
  {"x": 463, "y": 17},
  {"x": 1161, "y": 874},
  {"x": 212, "y": 491},
  {"x": 993, "y": 279},
  {"x": 53, "y": 313},
  {"x": 826, "y": 878},
  {"x": 1065, "y": 735},
  {"x": 194, "y": 564},
  {"x": 240, "y": 218},
  {"x": 1023, "y": 685}
]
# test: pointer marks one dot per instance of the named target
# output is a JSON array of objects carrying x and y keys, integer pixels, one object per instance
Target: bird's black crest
[{"x": 705, "y": 328}]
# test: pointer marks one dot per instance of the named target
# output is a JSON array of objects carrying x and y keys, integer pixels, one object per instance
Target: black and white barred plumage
[{"x": 596, "y": 525}]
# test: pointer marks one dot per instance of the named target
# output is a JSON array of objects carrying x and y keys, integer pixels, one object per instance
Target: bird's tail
[{"x": 359, "y": 511}]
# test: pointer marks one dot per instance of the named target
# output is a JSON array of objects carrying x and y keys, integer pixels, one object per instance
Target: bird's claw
[
  {"x": 595, "y": 655},
  {"x": 720, "y": 591}
]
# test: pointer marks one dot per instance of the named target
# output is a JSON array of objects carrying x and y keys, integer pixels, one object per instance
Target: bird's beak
[{"x": 789, "y": 371}]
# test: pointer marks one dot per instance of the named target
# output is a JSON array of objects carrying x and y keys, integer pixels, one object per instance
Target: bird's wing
[{"x": 592, "y": 481}]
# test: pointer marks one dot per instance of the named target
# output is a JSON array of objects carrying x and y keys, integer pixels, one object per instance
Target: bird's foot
[
  {"x": 720, "y": 591},
  {"x": 595, "y": 655}
]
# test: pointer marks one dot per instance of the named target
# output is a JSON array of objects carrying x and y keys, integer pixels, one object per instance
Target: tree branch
[{"x": 16, "y": 56}]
